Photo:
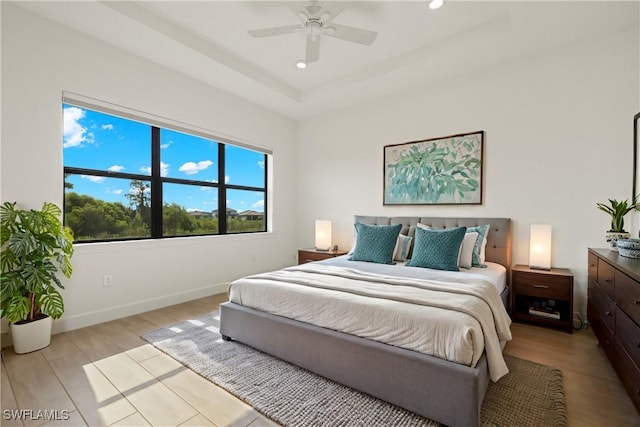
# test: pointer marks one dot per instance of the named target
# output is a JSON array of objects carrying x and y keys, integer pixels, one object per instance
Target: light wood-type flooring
[{"x": 106, "y": 375}]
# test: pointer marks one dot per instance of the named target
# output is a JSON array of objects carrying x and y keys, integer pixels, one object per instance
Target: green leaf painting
[{"x": 435, "y": 171}]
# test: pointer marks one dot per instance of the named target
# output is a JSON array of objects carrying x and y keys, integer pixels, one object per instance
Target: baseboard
[{"x": 77, "y": 321}]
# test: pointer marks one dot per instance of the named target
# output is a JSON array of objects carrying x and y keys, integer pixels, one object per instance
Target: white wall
[
  {"x": 558, "y": 139},
  {"x": 41, "y": 59}
]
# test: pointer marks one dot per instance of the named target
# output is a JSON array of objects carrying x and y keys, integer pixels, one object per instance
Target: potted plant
[
  {"x": 617, "y": 210},
  {"x": 35, "y": 247}
]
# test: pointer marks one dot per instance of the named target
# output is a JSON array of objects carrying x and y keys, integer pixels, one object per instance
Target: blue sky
[{"x": 99, "y": 141}]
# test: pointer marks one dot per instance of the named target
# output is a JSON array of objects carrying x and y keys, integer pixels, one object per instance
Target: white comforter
[{"x": 452, "y": 321}]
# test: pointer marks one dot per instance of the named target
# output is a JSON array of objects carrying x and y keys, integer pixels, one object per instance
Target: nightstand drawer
[
  {"x": 550, "y": 287},
  {"x": 309, "y": 255}
]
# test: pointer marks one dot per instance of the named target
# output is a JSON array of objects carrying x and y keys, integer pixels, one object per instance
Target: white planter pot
[
  {"x": 32, "y": 336},
  {"x": 613, "y": 236}
]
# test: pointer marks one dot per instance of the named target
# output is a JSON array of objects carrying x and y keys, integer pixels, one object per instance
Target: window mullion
[
  {"x": 156, "y": 184},
  {"x": 222, "y": 192}
]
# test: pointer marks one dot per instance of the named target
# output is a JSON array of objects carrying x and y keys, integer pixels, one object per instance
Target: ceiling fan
[{"x": 316, "y": 19}]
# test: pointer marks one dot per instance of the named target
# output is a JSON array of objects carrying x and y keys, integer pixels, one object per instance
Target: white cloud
[
  {"x": 107, "y": 127},
  {"x": 192, "y": 168},
  {"x": 258, "y": 205},
  {"x": 165, "y": 146},
  {"x": 226, "y": 179},
  {"x": 261, "y": 164},
  {"x": 118, "y": 192},
  {"x": 96, "y": 179},
  {"x": 164, "y": 169},
  {"x": 75, "y": 134},
  {"x": 115, "y": 168}
]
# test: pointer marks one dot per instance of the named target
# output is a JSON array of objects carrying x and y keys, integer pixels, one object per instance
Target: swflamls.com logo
[{"x": 38, "y": 415}]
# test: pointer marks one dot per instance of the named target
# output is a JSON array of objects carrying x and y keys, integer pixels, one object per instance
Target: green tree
[{"x": 140, "y": 199}]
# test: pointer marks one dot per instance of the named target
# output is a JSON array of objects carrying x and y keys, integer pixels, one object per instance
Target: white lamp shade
[
  {"x": 540, "y": 247},
  {"x": 323, "y": 235}
]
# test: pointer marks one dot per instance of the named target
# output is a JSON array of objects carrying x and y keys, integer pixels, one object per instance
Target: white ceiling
[{"x": 416, "y": 46}]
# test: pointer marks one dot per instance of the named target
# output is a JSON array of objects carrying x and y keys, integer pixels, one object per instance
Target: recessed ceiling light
[
  {"x": 301, "y": 64},
  {"x": 435, "y": 4}
]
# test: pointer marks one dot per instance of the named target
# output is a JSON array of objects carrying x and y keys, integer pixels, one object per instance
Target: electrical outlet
[{"x": 107, "y": 280}]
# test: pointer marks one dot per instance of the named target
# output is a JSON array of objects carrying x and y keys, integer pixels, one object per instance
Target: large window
[{"x": 125, "y": 179}]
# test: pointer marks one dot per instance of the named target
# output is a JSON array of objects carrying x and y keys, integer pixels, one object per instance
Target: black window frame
[{"x": 157, "y": 180}]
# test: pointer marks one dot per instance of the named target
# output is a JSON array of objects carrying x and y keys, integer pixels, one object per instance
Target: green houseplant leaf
[
  {"x": 617, "y": 210},
  {"x": 34, "y": 248}
]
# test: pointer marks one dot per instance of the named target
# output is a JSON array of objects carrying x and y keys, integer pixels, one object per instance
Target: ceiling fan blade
[
  {"x": 332, "y": 9},
  {"x": 276, "y": 31},
  {"x": 350, "y": 34},
  {"x": 313, "y": 49},
  {"x": 297, "y": 7}
]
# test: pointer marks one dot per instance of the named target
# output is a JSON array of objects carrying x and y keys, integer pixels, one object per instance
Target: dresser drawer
[
  {"x": 593, "y": 266},
  {"x": 628, "y": 295},
  {"x": 605, "y": 337},
  {"x": 552, "y": 287},
  {"x": 628, "y": 335},
  {"x": 606, "y": 278},
  {"x": 629, "y": 374},
  {"x": 601, "y": 306}
]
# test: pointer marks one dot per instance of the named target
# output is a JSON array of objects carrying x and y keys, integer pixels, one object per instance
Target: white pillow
[
  {"x": 482, "y": 252},
  {"x": 401, "y": 251},
  {"x": 466, "y": 249}
]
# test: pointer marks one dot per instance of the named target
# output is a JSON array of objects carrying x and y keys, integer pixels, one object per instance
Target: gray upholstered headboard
[{"x": 498, "y": 247}]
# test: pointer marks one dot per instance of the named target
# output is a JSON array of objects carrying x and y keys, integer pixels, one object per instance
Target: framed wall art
[
  {"x": 636, "y": 158},
  {"x": 437, "y": 171}
]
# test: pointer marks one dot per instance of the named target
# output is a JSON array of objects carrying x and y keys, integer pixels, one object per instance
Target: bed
[{"x": 443, "y": 390}]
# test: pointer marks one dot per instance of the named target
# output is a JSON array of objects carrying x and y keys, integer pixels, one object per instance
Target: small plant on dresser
[{"x": 617, "y": 211}]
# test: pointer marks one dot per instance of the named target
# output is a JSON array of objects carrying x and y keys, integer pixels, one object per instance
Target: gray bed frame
[{"x": 443, "y": 391}]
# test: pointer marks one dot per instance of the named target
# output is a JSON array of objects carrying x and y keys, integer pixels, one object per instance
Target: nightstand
[
  {"x": 542, "y": 297},
  {"x": 308, "y": 255}
]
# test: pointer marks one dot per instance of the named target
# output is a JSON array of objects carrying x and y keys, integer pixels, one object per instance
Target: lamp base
[
  {"x": 323, "y": 249},
  {"x": 535, "y": 267}
]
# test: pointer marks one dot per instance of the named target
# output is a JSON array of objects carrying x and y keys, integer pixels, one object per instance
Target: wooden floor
[{"x": 106, "y": 375}]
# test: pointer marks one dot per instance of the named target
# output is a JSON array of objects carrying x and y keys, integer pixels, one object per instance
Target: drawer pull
[
  {"x": 608, "y": 280},
  {"x": 592, "y": 265},
  {"x": 638, "y": 302},
  {"x": 541, "y": 286},
  {"x": 607, "y": 313}
]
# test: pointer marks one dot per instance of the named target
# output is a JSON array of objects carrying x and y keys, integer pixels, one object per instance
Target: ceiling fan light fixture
[
  {"x": 435, "y": 4},
  {"x": 300, "y": 64}
]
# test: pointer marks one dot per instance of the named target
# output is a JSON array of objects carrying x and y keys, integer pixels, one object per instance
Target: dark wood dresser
[{"x": 614, "y": 313}]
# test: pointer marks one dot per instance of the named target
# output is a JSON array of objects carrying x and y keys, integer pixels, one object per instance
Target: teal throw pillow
[
  {"x": 482, "y": 231},
  {"x": 437, "y": 249},
  {"x": 375, "y": 243}
]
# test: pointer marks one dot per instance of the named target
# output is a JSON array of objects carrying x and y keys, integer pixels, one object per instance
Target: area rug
[{"x": 530, "y": 395}]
